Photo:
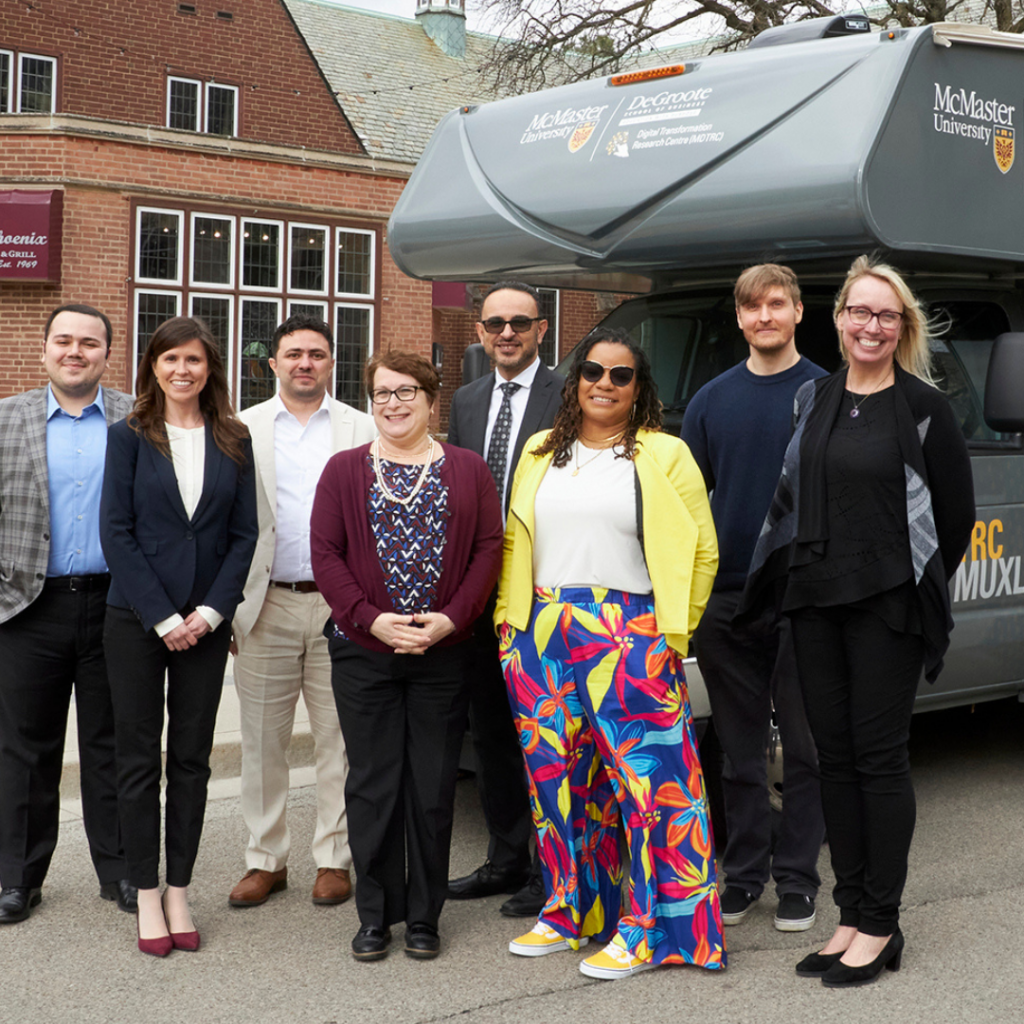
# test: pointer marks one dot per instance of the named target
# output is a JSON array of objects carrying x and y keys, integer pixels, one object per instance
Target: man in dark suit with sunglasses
[{"x": 495, "y": 416}]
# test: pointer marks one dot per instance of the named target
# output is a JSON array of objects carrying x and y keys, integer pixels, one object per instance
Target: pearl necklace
[{"x": 385, "y": 490}]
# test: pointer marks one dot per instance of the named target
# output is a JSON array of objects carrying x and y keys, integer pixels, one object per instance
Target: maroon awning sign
[{"x": 31, "y": 225}]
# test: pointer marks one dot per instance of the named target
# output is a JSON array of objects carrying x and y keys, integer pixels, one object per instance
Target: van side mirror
[{"x": 1004, "y": 385}]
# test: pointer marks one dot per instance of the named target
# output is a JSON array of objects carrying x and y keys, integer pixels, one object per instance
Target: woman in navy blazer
[{"x": 178, "y": 528}]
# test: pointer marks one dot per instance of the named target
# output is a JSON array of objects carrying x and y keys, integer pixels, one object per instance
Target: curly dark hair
[
  {"x": 646, "y": 414},
  {"x": 147, "y": 418}
]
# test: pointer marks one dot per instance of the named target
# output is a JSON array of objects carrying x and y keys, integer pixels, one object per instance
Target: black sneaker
[
  {"x": 735, "y": 903},
  {"x": 795, "y": 914}
]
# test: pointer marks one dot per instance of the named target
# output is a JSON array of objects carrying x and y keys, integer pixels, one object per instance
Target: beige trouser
[{"x": 285, "y": 654}]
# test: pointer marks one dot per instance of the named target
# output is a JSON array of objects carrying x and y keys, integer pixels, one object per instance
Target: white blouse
[
  {"x": 586, "y": 528},
  {"x": 188, "y": 456}
]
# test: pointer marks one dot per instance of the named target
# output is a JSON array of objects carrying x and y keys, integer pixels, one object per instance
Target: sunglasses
[
  {"x": 519, "y": 324},
  {"x": 592, "y": 371}
]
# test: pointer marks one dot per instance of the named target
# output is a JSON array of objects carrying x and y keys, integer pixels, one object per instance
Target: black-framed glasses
[
  {"x": 862, "y": 316},
  {"x": 406, "y": 393},
  {"x": 519, "y": 324},
  {"x": 592, "y": 371}
]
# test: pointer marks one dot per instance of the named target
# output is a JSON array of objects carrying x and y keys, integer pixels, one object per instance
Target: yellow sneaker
[
  {"x": 614, "y": 962},
  {"x": 540, "y": 941}
]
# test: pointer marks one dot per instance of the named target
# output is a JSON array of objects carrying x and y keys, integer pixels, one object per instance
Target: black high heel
[
  {"x": 841, "y": 975},
  {"x": 814, "y": 965}
]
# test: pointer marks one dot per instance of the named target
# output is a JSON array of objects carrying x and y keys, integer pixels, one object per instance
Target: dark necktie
[{"x": 497, "y": 452}]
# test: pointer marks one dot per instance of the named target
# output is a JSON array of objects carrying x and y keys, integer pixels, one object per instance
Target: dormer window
[
  {"x": 28, "y": 83},
  {"x": 196, "y": 106}
]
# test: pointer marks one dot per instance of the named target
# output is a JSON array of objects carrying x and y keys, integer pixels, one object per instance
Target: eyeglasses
[
  {"x": 862, "y": 316},
  {"x": 519, "y": 324},
  {"x": 592, "y": 371},
  {"x": 406, "y": 393}
]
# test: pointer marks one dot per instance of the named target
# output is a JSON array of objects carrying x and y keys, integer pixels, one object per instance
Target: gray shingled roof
[
  {"x": 394, "y": 83},
  {"x": 371, "y": 60}
]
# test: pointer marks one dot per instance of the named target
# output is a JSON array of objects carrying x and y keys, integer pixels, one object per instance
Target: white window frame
[
  {"x": 371, "y": 294},
  {"x": 282, "y": 260},
  {"x": 324, "y": 305},
  {"x": 199, "y": 102},
  {"x": 139, "y": 292},
  {"x": 182, "y": 242},
  {"x": 229, "y": 299},
  {"x": 327, "y": 258},
  {"x": 14, "y": 87},
  {"x": 371, "y": 310},
  {"x": 242, "y": 300},
  {"x": 11, "y": 99},
  {"x": 202, "y": 104},
  {"x": 230, "y": 286},
  {"x": 205, "y": 106}
]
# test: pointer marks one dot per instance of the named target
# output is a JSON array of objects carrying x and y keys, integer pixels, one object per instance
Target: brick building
[{"x": 232, "y": 160}]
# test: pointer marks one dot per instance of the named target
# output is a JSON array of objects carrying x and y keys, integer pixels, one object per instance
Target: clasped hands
[
  {"x": 411, "y": 634},
  {"x": 187, "y": 634}
]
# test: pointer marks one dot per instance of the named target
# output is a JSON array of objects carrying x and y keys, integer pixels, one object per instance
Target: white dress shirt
[
  {"x": 300, "y": 454},
  {"x": 525, "y": 381}
]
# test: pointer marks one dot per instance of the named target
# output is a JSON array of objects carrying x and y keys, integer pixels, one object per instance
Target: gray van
[{"x": 819, "y": 142}]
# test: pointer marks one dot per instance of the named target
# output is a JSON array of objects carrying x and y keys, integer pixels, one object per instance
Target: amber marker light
[{"x": 648, "y": 76}]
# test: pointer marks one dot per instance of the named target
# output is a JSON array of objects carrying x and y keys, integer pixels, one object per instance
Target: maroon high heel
[
  {"x": 187, "y": 942},
  {"x": 154, "y": 947}
]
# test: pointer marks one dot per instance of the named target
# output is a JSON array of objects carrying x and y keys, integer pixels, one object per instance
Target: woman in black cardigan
[{"x": 871, "y": 517}]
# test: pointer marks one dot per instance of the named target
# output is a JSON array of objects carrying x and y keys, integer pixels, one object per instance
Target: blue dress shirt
[{"x": 76, "y": 447}]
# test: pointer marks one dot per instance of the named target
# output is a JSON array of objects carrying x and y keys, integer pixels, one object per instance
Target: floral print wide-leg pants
[{"x": 605, "y": 724}]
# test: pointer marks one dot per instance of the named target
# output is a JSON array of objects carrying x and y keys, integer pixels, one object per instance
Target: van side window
[{"x": 961, "y": 358}]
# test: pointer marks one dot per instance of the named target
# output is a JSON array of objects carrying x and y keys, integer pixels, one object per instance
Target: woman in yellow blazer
[{"x": 610, "y": 553}]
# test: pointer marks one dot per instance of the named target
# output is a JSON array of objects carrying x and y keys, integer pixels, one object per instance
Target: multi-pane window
[
  {"x": 196, "y": 106},
  {"x": 549, "y": 311},
  {"x": 28, "y": 83},
  {"x": 244, "y": 275},
  {"x": 356, "y": 260}
]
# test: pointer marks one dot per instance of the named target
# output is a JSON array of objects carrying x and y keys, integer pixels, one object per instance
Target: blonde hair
[{"x": 913, "y": 352}]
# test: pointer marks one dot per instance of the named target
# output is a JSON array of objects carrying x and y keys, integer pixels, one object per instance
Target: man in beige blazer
[{"x": 278, "y": 629}]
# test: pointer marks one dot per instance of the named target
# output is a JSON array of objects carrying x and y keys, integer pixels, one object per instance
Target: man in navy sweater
[{"x": 738, "y": 426}]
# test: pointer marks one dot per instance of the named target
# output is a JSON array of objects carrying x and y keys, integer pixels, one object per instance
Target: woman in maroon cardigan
[{"x": 406, "y": 543}]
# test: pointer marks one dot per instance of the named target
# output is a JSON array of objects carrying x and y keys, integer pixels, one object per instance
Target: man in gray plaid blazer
[{"x": 53, "y": 589}]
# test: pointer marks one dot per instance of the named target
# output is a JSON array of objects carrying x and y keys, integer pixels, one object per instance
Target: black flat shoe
[
  {"x": 422, "y": 941},
  {"x": 487, "y": 880},
  {"x": 371, "y": 942},
  {"x": 841, "y": 975},
  {"x": 528, "y": 902},
  {"x": 123, "y": 893},
  {"x": 814, "y": 965},
  {"x": 16, "y": 903}
]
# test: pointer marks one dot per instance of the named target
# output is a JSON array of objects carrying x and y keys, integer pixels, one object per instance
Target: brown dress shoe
[
  {"x": 333, "y": 885},
  {"x": 256, "y": 886}
]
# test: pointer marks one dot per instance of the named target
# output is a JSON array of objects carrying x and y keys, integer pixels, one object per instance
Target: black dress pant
[
  {"x": 500, "y": 768},
  {"x": 746, "y": 673},
  {"x": 403, "y": 717},
  {"x": 139, "y": 661},
  {"x": 54, "y": 644},
  {"x": 859, "y": 680}
]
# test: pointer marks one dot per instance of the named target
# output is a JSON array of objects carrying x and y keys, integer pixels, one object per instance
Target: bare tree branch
[{"x": 547, "y": 42}]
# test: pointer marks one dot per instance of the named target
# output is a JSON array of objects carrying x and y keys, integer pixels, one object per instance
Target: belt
[
  {"x": 72, "y": 584},
  {"x": 302, "y": 587}
]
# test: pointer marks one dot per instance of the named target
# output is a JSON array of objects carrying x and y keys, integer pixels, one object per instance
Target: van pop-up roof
[{"x": 904, "y": 140}]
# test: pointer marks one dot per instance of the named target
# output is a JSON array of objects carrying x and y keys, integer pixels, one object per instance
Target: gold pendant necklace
[{"x": 580, "y": 465}]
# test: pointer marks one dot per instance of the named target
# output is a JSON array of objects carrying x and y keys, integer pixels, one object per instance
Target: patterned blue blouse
[{"x": 410, "y": 538}]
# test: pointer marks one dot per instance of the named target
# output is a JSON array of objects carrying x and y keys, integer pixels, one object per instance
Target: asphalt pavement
[{"x": 288, "y": 962}]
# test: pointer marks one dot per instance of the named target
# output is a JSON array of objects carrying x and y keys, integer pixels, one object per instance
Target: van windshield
[{"x": 692, "y": 338}]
